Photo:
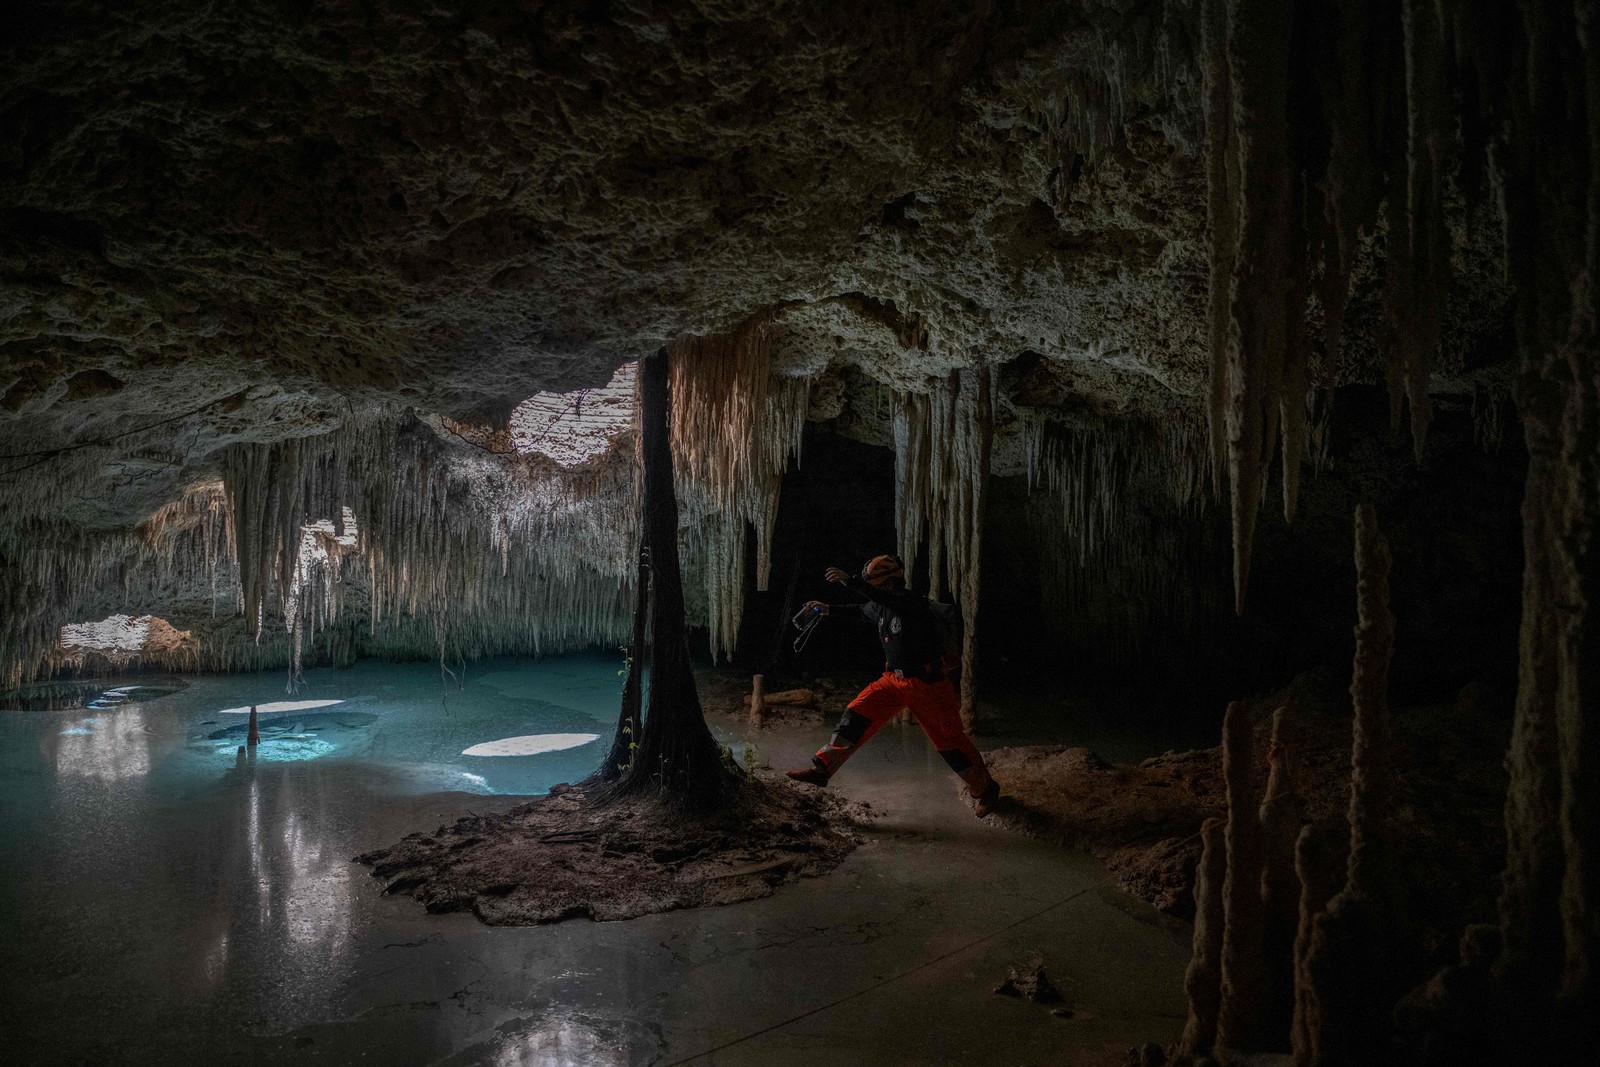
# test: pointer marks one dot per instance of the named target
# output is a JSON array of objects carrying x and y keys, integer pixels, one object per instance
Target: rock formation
[
  {"x": 1203, "y": 980},
  {"x": 259, "y": 266},
  {"x": 1348, "y": 969},
  {"x": 1244, "y": 972}
]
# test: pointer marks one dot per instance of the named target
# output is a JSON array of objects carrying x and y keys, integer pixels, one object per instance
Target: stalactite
[
  {"x": 518, "y": 552},
  {"x": 1222, "y": 183},
  {"x": 1258, "y": 53},
  {"x": 1139, "y": 573},
  {"x": 1300, "y": 158},
  {"x": 1239, "y": 1021},
  {"x": 735, "y": 428},
  {"x": 942, "y": 444},
  {"x": 1418, "y": 250},
  {"x": 973, "y": 512}
]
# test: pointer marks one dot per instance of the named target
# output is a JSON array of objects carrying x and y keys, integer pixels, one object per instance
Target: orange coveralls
[{"x": 906, "y": 626}]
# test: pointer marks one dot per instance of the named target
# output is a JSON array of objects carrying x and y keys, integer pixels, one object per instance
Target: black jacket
[{"x": 908, "y": 628}]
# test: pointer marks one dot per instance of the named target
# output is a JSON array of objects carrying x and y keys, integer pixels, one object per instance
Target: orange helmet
[{"x": 881, "y": 569}]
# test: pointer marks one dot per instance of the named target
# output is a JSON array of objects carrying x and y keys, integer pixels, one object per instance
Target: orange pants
[{"x": 937, "y": 711}]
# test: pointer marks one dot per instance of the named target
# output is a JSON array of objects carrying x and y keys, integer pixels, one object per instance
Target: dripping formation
[{"x": 1107, "y": 268}]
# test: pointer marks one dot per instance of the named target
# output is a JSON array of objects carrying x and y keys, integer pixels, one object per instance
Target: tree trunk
[{"x": 676, "y": 754}]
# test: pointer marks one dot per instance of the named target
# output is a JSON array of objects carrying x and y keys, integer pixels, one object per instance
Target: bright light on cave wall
[
  {"x": 122, "y": 638},
  {"x": 573, "y": 428}
]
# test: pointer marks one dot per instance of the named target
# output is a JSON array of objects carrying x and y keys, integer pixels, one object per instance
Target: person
[{"x": 916, "y": 675}]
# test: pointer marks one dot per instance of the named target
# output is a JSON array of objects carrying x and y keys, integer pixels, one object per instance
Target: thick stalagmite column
[
  {"x": 1239, "y": 1025},
  {"x": 1283, "y": 813},
  {"x": 1319, "y": 866},
  {"x": 1202, "y": 982},
  {"x": 1550, "y": 900},
  {"x": 1349, "y": 979}
]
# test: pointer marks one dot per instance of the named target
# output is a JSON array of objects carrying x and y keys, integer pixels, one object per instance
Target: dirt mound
[
  {"x": 1144, "y": 819},
  {"x": 563, "y": 856}
]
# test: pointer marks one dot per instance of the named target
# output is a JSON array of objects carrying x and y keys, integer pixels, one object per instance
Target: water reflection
[
  {"x": 157, "y": 885},
  {"x": 278, "y": 898},
  {"x": 108, "y": 747},
  {"x": 563, "y": 1041}
]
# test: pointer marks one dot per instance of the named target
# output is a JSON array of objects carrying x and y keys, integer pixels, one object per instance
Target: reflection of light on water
[
  {"x": 282, "y": 705},
  {"x": 317, "y": 893},
  {"x": 216, "y": 958},
  {"x": 530, "y": 744},
  {"x": 285, "y": 749},
  {"x": 560, "y": 1043},
  {"x": 109, "y": 748}
]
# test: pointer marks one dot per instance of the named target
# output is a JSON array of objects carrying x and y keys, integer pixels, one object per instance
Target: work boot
[
  {"x": 812, "y": 775},
  {"x": 988, "y": 800}
]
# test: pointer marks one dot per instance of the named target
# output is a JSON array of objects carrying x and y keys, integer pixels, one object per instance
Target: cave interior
[{"x": 1230, "y": 368}]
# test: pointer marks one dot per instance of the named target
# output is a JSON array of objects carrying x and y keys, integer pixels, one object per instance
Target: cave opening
[{"x": 580, "y": 533}]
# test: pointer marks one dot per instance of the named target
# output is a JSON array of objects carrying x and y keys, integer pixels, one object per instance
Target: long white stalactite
[{"x": 735, "y": 427}]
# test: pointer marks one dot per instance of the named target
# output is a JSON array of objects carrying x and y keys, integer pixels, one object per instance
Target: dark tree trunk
[
  {"x": 620, "y": 758},
  {"x": 676, "y": 754}
]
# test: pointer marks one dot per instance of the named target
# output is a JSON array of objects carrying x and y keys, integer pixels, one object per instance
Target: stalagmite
[
  {"x": 1282, "y": 816},
  {"x": 1202, "y": 982},
  {"x": 1319, "y": 866},
  {"x": 1239, "y": 1021},
  {"x": 1348, "y": 978}
]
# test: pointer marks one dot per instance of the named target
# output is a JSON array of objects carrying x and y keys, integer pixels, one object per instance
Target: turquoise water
[
  {"x": 161, "y": 892},
  {"x": 401, "y": 718}
]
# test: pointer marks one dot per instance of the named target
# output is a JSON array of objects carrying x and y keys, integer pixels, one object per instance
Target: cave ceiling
[{"x": 251, "y": 222}]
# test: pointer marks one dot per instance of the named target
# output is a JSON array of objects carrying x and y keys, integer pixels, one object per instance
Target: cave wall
[{"x": 232, "y": 232}]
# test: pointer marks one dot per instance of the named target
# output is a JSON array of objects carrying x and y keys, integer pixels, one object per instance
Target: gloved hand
[
  {"x": 834, "y": 574},
  {"x": 816, "y": 607}
]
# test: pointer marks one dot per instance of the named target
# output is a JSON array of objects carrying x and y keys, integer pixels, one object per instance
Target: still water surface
[
  {"x": 399, "y": 717},
  {"x": 161, "y": 891}
]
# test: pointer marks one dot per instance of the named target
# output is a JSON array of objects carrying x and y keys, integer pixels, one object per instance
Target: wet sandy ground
[{"x": 232, "y": 928}]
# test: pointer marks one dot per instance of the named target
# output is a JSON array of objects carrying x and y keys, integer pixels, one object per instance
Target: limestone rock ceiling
[
  {"x": 340, "y": 205},
  {"x": 255, "y": 223},
  {"x": 347, "y": 206}
]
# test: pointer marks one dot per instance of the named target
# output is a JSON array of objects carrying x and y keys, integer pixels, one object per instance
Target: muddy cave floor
[{"x": 290, "y": 953}]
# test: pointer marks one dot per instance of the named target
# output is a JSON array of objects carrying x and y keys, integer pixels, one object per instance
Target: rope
[
  {"x": 801, "y": 490},
  {"x": 784, "y": 617},
  {"x": 806, "y": 632},
  {"x": 819, "y": 1009}
]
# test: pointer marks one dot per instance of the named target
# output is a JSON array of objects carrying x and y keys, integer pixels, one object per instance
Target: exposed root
[{"x": 564, "y": 856}]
